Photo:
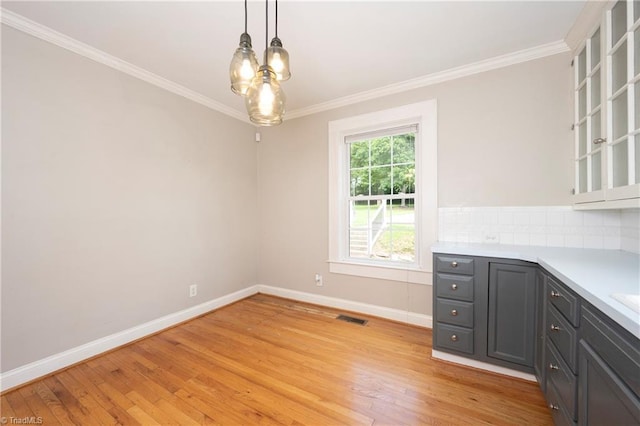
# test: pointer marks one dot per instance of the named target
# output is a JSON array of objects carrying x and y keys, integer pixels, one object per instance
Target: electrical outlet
[
  {"x": 319, "y": 280},
  {"x": 193, "y": 290},
  {"x": 490, "y": 237}
]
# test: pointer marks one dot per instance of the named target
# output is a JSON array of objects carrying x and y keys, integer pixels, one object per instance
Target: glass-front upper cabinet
[{"x": 607, "y": 111}]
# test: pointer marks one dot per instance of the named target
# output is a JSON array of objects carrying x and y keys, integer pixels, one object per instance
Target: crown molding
[
  {"x": 42, "y": 32},
  {"x": 588, "y": 19},
  {"x": 47, "y": 34},
  {"x": 525, "y": 55}
]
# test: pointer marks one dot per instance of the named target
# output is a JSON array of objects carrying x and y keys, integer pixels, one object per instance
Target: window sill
[{"x": 391, "y": 273}]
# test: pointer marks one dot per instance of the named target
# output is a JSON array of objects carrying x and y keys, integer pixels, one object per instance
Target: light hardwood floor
[{"x": 266, "y": 360}]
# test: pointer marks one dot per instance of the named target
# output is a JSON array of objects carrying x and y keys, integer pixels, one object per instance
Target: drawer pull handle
[
  {"x": 454, "y": 312},
  {"x": 454, "y": 287},
  {"x": 554, "y": 327},
  {"x": 454, "y": 338},
  {"x": 554, "y": 406},
  {"x": 555, "y": 293},
  {"x": 552, "y": 367},
  {"x": 454, "y": 264}
]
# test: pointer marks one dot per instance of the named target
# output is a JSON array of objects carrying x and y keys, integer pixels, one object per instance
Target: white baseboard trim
[
  {"x": 349, "y": 305},
  {"x": 481, "y": 365},
  {"x": 48, "y": 365}
]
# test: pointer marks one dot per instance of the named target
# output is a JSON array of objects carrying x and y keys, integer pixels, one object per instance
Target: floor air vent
[{"x": 354, "y": 320}]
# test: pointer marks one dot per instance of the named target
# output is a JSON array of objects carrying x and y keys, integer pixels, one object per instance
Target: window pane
[
  {"x": 620, "y": 164},
  {"x": 359, "y": 154},
  {"x": 381, "y": 151},
  {"x": 618, "y": 21},
  {"x": 396, "y": 242},
  {"x": 595, "y": 49},
  {"x": 619, "y": 64},
  {"x": 381, "y": 180},
  {"x": 620, "y": 117},
  {"x": 595, "y": 90},
  {"x": 596, "y": 171},
  {"x": 404, "y": 148},
  {"x": 362, "y": 216},
  {"x": 595, "y": 127},
  {"x": 582, "y": 65},
  {"x": 404, "y": 179},
  {"x": 359, "y": 182}
]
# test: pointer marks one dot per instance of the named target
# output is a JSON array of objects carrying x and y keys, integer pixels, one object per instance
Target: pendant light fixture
[
  {"x": 277, "y": 56},
  {"x": 265, "y": 99},
  {"x": 244, "y": 64}
]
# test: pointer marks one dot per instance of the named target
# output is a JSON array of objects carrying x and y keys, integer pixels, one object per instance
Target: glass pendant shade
[
  {"x": 278, "y": 60},
  {"x": 244, "y": 66},
  {"x": 265, "y": 98}
]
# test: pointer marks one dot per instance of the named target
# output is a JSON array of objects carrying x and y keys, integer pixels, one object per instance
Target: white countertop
[{"x": 593, "y": 274}]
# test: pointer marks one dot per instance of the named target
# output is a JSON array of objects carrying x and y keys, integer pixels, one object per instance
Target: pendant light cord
[
  {"x": 245, "y": 16},
  {"x": 276, "y": 18},
  {"x": 266, "y": 30}
]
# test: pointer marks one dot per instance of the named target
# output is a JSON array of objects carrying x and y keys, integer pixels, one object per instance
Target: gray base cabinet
[
  {"x": 485, "y": 309},
  {"x": 517, "y": 315}
]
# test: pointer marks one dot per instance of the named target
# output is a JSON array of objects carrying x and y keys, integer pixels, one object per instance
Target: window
[{"x": 383, "y": 193}]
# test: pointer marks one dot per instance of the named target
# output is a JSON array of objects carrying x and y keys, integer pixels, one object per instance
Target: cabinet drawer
[
  {"x": 558, "y": 410},
  {"x": 452, "y": 337},
  {"x": 622, "y": 354},
  {"x": 454, "y": 264},
  {"x": 563, "y": 379},
  {"x": 567, "y": 303},
  {"x": 457, "y": 287},
  {"x": 454, "y": 312},
  {"x": 564, "y": 336}
]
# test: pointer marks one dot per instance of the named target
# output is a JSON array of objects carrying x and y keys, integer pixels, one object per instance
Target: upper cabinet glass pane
[
  {"x": 620, "y": 164},
  {"x": 596, "y": 127},
  {"x": 595, "y": 90},
  {"x": 582, "y": 102},
  {"x": 595, "y": 49},
  {"x": 619, "y": 65},
  {"x": 637, "y": 111},
  {"x": 636, "y": 52},
  {"x": 618, "y": 21},
  {"x": 582, "y": 139},
  {"x": 636, "y": 13},
  {"x": 582, "y": 65},
  {"x": 619, "y": 116}
]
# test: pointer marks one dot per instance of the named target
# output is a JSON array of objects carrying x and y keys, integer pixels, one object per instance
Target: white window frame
[{"x": 424, "y": 114}]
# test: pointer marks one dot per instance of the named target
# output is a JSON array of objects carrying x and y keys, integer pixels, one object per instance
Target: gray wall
[
  {"x": 503, "y": 140},
  {"x": 116, "y": 196}
]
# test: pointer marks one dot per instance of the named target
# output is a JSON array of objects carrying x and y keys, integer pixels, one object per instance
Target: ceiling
[{"x": 337, "y": 48}]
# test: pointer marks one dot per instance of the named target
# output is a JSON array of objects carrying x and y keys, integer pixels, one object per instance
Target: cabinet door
[
  {"x": 588, "y": 118},
  {"x": 623, "y": 139},
  {"x": 539, "y": 360},
  {"x": 511, "y": 317},
  {"x": 602, "y": 398}
]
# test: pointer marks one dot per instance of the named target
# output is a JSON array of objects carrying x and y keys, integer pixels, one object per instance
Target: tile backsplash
[{"x": 556, "y": 226}]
